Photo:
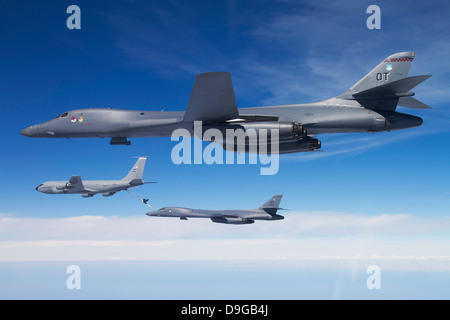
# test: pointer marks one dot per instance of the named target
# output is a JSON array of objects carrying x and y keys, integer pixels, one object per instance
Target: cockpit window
[{"x": 65, "y": 114}]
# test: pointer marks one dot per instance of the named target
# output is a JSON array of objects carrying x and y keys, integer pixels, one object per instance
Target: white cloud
[{"x": 303, "y": 239}]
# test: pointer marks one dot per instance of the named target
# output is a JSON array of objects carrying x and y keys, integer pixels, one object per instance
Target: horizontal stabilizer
[
  {"x": 136, "y": 182},
  {"x": 389, "y": 95},
  {"x": 393, "y": 89},
  {"x": 212, "y": 99},
  {"x": 410, "y": 102}
]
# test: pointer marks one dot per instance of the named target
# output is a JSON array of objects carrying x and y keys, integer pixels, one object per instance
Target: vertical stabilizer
[
  {"x": 388, "y": 85},
  {"x": 137, "y": 171},
  {"x": 272, "y": 205},
  {"x": 393, "y": 68}
]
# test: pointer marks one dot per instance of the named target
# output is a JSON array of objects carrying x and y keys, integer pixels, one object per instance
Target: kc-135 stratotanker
[
  {"x": 368, "y": 106},
  {"x": 89, "y": 188}
]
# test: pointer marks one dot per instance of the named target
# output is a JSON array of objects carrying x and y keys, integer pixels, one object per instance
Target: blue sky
[{"x": 365, "y": 199}]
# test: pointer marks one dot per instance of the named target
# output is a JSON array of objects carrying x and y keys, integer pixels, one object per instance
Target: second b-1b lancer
[
  {"x": 268, "y": 211},
  {"x": 370, "y": 105},
  {"x": 89, "y": 188}
]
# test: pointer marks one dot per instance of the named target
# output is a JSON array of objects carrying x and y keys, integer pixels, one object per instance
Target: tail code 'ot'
[
  {"x": 388, "y": 85},
  {"x": 393, "y": 68}
]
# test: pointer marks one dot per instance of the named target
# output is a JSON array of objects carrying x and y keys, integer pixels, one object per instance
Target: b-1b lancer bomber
[
  {"x": 370, "y": 105},
  {"x": 90, "y": 188},
  {"x": 268, "y": 211}
]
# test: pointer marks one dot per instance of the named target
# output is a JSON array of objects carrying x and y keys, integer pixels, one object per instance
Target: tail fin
[
  {"x": 393, "y": 68},
  {"x": 272, "y": 205},
  {"x": 137, "y": 171},
  {"x": 388, "y": 85},
  {"x": 212, "y": 98}
]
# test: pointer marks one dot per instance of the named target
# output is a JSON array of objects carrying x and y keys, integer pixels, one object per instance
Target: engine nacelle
[
  {"x": 60, "y": 186},
  {"x": 257, "y": 137},
  {"x": 232, "y": 220},
  {"x": 251, "y": 132},
  {"x": 108, "y": 194},
  {"x": 304, "y": 145}
]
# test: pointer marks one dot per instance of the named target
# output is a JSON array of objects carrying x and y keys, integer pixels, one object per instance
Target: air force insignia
[{"x": 389, "y": 67}]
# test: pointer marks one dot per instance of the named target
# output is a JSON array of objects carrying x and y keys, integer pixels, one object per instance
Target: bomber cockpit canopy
[{"x": 65, "y": 114}]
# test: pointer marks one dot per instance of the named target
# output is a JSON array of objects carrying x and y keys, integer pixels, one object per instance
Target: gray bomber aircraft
[
  {"x": 268, "y": 211},
  {"x": 88, "y": 189},
  {"x": 368, "y": 106}
]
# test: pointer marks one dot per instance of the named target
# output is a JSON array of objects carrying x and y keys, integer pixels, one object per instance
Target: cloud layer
[{"x": 303, "y": 239}]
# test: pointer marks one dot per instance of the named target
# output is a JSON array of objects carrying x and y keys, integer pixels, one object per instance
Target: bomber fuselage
[
  {"x": 328, "y": 116},
  {"x": 184, "y": 213}
]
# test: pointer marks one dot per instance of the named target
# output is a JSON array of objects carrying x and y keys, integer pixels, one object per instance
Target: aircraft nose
[
  {"x": 26, "y": 132},
  {"x": 37, "y": 188},
  {"x": 37, "y": 130}
]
